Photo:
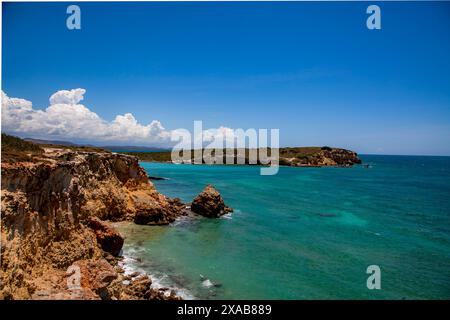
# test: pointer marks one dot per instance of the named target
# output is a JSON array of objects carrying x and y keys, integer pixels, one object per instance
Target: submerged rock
[
  {"x": 209, "y": 203},
  {"x": 156, "y": 178},
  {"x": 207, "y": 283}
]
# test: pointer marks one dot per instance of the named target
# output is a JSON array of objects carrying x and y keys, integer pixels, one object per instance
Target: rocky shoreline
[
  {"x": 57, "y": 206},
  {"x": 57, "y": 242}
]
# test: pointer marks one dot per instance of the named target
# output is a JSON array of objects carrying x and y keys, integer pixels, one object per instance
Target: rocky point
[{"x": 54, "y": 204}]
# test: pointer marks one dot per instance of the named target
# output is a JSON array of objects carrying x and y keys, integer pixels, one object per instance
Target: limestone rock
[
  {"x": 209, "y": 203},
  {"x": 149, "y": 213},
  {"x": 95, "y": 275},
  {"x": 49, "y": 206},
  {"x": 109, "y": 238}
]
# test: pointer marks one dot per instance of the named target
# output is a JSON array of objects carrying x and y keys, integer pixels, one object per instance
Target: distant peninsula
[
  {"x": 293, "y": 157},
  {"x": 289, "y": 156}
]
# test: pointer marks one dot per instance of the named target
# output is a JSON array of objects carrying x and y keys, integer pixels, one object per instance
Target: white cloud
[
  {"x": 218, "y": 137},
  {"x": 67, "y": 96},
  {"x": 67, "y": 119}
]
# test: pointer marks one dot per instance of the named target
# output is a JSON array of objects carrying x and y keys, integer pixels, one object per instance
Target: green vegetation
[
  {"x": 165, "y": 156},
  {"x": 76, "y": 148},
  {"x": 11, "y": 143},
  {"x": 297, "y": 156},
  {"x": 15, "y": 149}
]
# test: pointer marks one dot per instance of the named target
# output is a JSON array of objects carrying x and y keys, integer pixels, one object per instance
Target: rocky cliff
[
  {"x": 52, "y": 206},
  {"x": 318, "y": 157},
  {"x": 57, "y": 203}
]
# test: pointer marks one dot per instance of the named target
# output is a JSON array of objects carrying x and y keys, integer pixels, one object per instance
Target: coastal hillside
[
  {"x": 15, "y": 149},
  {"x": 295, "y": 157},
  {"x": 54, "y": 204},
  {"x": 57, "y": 205}
]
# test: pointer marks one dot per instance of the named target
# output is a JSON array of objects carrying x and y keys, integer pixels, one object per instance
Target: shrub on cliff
[
  {"x": 11, "y": 143},
  {"x": 15, "y": 149}
]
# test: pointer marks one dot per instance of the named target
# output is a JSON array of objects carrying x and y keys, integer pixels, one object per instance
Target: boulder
[
  {"x": 167, "y": 211},
  {"x": 94, "y": 275},
  {"x": 209, "y": 203},
  {"x": 140, "y": 287},
  {"x": 152, "y": 215},
  {"x": 109, "y": 238}
]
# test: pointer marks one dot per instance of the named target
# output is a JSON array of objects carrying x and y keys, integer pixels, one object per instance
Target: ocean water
[{"x": 305, "y": 233}]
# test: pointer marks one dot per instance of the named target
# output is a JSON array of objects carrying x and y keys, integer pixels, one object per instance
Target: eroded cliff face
[{"x": 47, "y": 208}]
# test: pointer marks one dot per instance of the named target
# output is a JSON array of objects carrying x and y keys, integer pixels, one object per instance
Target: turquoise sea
[{"x": 305, "y": 233}]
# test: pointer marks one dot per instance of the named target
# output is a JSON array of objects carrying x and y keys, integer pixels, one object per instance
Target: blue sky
[{"x": 313, "y": 70}]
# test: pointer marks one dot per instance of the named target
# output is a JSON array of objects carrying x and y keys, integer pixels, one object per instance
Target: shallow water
[{"x": 305, "y": 233}]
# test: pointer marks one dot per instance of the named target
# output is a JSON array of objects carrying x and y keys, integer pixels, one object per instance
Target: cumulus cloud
[
  {"x": 65, "y": 118},
  {"x": 67, "y": 96}
]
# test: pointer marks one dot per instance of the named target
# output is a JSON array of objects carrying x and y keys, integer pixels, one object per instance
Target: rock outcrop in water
[
  {"x": 209, "y": 203},
  {"x": 52, "y": 205}
]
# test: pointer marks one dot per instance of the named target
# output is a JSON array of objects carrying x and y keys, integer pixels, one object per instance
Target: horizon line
[{"x": 130, "y": 145}]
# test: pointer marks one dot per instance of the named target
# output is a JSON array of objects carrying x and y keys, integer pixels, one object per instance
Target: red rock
[
  {"x": 96, "y": 275},
  {"x": 108, "y": 237}
]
